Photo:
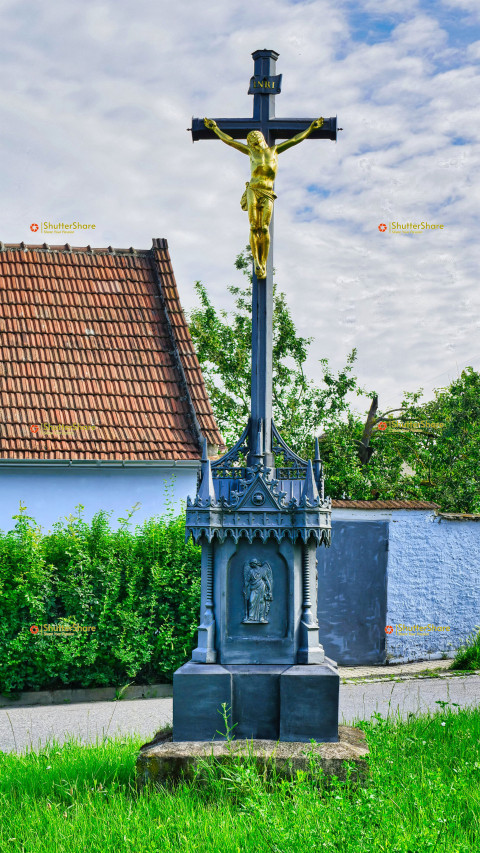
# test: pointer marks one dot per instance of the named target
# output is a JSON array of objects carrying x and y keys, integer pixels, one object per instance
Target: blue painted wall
[
  {"x": 432, "y": 578},
  {"x": 51, "y": 494},
  {"x": 352, "y": 592}
]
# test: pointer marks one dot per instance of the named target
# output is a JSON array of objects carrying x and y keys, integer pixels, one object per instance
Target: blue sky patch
[
  {"x": 304, "y": 214},
  {"x": 460, "y": 140},
  {"x": 316, "y": 190},
  {"x": 370, "y": 29}
]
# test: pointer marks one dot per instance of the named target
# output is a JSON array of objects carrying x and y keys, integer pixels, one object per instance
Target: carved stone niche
[
  {"x": 259, "y": 589},
  {"x": 258, "y": 601}
]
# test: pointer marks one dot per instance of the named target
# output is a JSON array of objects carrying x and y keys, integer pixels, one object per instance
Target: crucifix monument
[{"x": 260, "y": 511}]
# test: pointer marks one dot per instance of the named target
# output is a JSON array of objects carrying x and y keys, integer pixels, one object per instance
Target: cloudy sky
[{"x": 96, "y": 98}]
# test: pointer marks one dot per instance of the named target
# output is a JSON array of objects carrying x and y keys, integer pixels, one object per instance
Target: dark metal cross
[{"x": 264, "y": 85}]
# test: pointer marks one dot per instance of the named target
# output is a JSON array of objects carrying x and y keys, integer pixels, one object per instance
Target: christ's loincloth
[{"x": 262, "y": 195}]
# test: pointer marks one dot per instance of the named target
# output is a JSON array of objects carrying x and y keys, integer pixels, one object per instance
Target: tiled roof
[
  {"x": 384, "y": 505},
  {"x": 96, "y": 339},
  {"x": 459, "y": 516}
]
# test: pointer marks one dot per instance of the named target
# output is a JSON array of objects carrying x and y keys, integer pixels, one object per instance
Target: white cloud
[
  {"x": 95, "y": 108},
  {"x": 463, "y": 5}
]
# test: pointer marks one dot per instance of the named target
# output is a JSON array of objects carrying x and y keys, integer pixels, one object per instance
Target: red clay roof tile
[
  {"x": 384, "y": 504},
  {"x": 93, "y": 337}
]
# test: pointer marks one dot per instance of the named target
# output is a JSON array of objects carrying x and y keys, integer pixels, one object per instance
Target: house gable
[{"x": 97, "y": 360}]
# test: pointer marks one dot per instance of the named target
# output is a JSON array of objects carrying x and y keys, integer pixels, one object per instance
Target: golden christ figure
[{"x": 258, "y": 197}]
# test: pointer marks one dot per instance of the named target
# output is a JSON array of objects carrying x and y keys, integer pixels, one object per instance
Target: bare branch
[{"x": 363, "y": 449}]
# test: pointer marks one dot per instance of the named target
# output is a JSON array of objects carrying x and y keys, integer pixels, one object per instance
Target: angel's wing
[
  {"x": 268, "y": 575},
  {"x": 246, "y": 583}
]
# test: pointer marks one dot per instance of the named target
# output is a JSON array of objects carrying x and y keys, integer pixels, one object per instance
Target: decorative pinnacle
[
  {"x": 319, "y": 471},
  {"x": 206, "y": 488},
  {"x": 310, "y": 491},
  {"x": 317, "y": 463}
]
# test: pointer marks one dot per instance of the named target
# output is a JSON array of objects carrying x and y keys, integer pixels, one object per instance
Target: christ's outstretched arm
[
  {"x": 315, "y": 125},
  {"x": 212, "y": 125}
]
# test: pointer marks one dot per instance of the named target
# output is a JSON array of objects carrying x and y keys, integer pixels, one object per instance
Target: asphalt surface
[{"x": 32, "y": 727}]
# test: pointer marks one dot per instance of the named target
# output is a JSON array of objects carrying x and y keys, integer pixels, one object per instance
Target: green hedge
[{"x": 140, "y": 591}]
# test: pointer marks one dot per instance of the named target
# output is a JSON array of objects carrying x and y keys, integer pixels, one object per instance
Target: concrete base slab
[{"x": 166, "y": 762}]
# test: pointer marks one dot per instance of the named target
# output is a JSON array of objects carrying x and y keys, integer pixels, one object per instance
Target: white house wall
[{"x": 52, "y": 493}]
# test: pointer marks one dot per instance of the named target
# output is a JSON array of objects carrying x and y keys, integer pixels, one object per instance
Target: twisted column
[
  {"x": 208, "y": 616},
  {"x": 307, "y": 616}
]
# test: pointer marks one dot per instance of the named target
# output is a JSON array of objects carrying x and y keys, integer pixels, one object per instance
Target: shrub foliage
[{"x": 139, "y": 590}]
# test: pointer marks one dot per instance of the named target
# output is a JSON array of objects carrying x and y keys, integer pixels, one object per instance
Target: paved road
[
  {"x": 360, "y": 701},
  {"x": 87, "y": 720}
]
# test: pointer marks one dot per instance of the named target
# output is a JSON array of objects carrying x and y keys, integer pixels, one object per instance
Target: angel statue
[{"x": 257, "y": 590}]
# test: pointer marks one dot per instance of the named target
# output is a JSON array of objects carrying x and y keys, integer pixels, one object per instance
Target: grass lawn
[
  {"x": 468, "y": 655},
  {"x": 423, "y": 796}
]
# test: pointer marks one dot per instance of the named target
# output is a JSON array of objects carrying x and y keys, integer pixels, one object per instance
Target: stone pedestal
[
  {"x": 259, "y": 652},
  {"x": 296, "y": 703}
]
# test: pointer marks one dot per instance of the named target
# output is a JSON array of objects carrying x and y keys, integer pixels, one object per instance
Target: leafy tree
[
  {"x": 223, "y": 346},
  {"x": 360, "y": 461},
  {"x": 438, "y": 463},
  {"x": 447, "y": 460}
]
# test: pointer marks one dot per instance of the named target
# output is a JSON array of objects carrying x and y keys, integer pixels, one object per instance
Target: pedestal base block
[
  {"x": 309, "y": 703},
  {"x": 199, "y": 689},
  {"x": 256, "y": 700}
]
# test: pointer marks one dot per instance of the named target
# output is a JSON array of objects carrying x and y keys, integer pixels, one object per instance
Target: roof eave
[{"x": 100, "y": 463}]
